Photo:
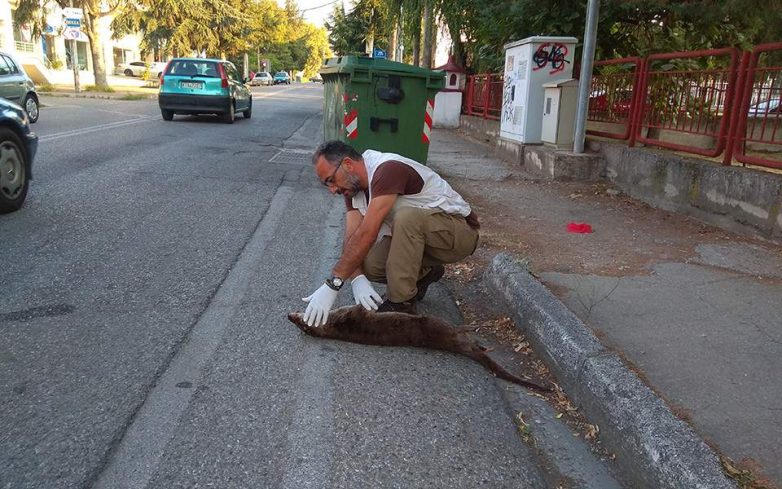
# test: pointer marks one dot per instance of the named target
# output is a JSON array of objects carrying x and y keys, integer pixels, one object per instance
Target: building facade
[{"x": 48, "y": 58}]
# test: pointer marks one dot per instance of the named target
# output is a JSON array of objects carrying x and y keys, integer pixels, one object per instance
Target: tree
[
  {"x": 317, "y": 43},
  {"x": 218, "y": 28},
  {"x": 181, "y": 27},
  {"x": 365, "y": 27},
  {"x": 406, "y": 16},
  {"x": 343, "y": 32},
  {"x": 290, "y": 43},
  {"x": 626, "y": 27}
]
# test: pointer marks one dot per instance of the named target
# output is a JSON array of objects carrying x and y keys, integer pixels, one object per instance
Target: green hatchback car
[{"x": 203, "y": 86}]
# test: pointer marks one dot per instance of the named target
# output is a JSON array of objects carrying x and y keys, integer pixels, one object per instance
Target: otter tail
[
  {"x": 482, "y": 356},
  {"x": 502, "y": 373}
]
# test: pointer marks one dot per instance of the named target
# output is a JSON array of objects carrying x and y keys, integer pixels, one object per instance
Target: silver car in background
[
  {"x": 17, "y": 87},
  {"x": 261, "y": 78}
]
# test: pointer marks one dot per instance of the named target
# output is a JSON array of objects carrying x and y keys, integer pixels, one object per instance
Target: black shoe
[
  {"x": 408, "y": 307},
  {"x": 435, "y": 274}
]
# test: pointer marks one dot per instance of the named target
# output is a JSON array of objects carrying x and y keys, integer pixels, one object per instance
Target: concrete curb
[{"x": 654, "y": 448}]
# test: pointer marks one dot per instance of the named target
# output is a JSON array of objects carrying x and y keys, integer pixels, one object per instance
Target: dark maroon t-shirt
[{"x": 394, "y": 177}]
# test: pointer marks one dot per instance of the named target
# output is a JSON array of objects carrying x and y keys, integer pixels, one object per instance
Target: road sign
[
  {"x": 72, "y": 13},
  {"x": 74, "y": 34},
  {"x": 72, "y": 23},
  {"x": 379, "y": 53}
]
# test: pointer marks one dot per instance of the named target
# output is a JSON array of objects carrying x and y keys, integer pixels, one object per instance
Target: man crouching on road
[{"x": 403, "y": 223}]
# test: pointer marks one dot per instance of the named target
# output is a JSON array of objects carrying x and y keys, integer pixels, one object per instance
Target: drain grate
[{"x": 292, "y": 157}]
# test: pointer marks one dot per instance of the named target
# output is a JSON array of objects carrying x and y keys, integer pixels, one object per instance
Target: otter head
[{"x": 297, "y": 318}]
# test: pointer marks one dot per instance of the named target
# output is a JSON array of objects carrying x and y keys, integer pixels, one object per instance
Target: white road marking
[{"x": 101, "y": 127}]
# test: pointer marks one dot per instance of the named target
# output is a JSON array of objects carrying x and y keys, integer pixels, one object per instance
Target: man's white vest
[{"x": 436, "y": 193}]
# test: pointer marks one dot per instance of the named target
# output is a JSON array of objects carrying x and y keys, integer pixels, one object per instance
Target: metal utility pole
[
  {"x": 585, "y": 80},
  {"x": 74, "y": 61}
]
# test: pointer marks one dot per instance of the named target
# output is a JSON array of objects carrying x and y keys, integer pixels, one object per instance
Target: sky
[{"x": 317, "y": 11}]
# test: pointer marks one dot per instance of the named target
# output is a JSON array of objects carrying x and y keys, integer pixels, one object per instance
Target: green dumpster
[{"x": 379, "y": 104}]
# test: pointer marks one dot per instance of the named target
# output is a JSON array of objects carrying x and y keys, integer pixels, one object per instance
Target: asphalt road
[{"x": 143, "y": 338}]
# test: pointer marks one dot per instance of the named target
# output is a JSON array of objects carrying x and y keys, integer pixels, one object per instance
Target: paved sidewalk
[
  {"x": 124, "y": 87},
  {"x": 694, "y": 310}
]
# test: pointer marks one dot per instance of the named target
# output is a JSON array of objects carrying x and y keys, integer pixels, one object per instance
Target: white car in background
[
  {"x": 137, "y": 68},
  {"x": 262, "y": 78}
]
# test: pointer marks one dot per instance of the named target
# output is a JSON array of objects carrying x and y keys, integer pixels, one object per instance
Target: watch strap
[{"x": 332, "y": 285}]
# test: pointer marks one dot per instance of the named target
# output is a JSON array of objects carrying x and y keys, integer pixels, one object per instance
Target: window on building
[
  {"x": 51, "y": 54},
  {"x": 81, "y": 55},
  {"x": 119, "y": 56},
  {"x": 22, "y": 32}
]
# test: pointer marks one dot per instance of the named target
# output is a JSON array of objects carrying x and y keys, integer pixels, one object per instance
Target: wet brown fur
[{"x": 357, "y": 325}]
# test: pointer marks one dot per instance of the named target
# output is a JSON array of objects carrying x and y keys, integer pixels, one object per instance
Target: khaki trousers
[{"x": 421, "y": 238}]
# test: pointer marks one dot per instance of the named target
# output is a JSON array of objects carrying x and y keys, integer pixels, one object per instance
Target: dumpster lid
[
  {"x": 347, "y": 64},
  {"x": 541, "y": 39}
]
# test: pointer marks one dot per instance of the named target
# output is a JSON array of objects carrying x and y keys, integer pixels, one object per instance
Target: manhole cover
[{"x": 291, "y": 157}]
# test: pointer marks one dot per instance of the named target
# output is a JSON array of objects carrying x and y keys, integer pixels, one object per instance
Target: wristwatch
[{"x": 335, "y": 283}]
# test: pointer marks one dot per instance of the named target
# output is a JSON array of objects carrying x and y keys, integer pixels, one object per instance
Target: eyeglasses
[{"x": 329, "y": 181}]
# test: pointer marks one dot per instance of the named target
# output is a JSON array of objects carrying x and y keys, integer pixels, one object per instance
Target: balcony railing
[{"x": 25, "y": 47}]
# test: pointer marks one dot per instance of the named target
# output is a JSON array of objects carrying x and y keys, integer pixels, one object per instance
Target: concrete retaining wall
[
  {"x": 480, "y": 128},
  {"x": 563, "y": 165},
  {"x": 734, "y": 198}
]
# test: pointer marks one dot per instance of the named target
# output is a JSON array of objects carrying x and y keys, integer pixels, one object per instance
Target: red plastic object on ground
[{"x": 579, "y": 227}]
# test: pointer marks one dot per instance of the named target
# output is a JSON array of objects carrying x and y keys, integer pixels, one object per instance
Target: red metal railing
[
  {"x": 693, "y": 102},
  {"x": 731, "y": 108},
  {"x": 613, "y": 96},
  {"x": 483, "y": 96},
  {"x": 757, "y": 138}
]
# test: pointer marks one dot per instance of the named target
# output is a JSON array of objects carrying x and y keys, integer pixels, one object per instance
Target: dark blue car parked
[{"x": 17, "y": 150}]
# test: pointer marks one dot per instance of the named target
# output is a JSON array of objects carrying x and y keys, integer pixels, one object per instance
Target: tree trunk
[
  {"x": 457, "y": 48},
  {"x": 392, "y": 43},
  {"x": 426, "y": 62},
  {"x": 370, "y": 44},
  {"x": 416, "y": 38},
  {"x": 433, "y": 50},
  {"x": 96, "y": 49}
]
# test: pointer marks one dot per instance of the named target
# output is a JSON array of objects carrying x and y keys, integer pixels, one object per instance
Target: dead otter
[{"x": 357, "y": 325}]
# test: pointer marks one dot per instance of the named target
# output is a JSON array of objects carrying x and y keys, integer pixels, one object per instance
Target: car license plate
[{"x": 192, "y": 85}]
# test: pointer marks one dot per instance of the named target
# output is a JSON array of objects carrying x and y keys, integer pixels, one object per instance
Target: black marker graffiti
[
  {"x": 509, "y": 92},
  {"x": 556, "y": 56}
]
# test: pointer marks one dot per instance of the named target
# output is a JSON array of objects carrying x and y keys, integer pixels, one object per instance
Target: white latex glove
[
  {"x": 365, "y": 294},
  {"x": 320, "y": 303}
]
